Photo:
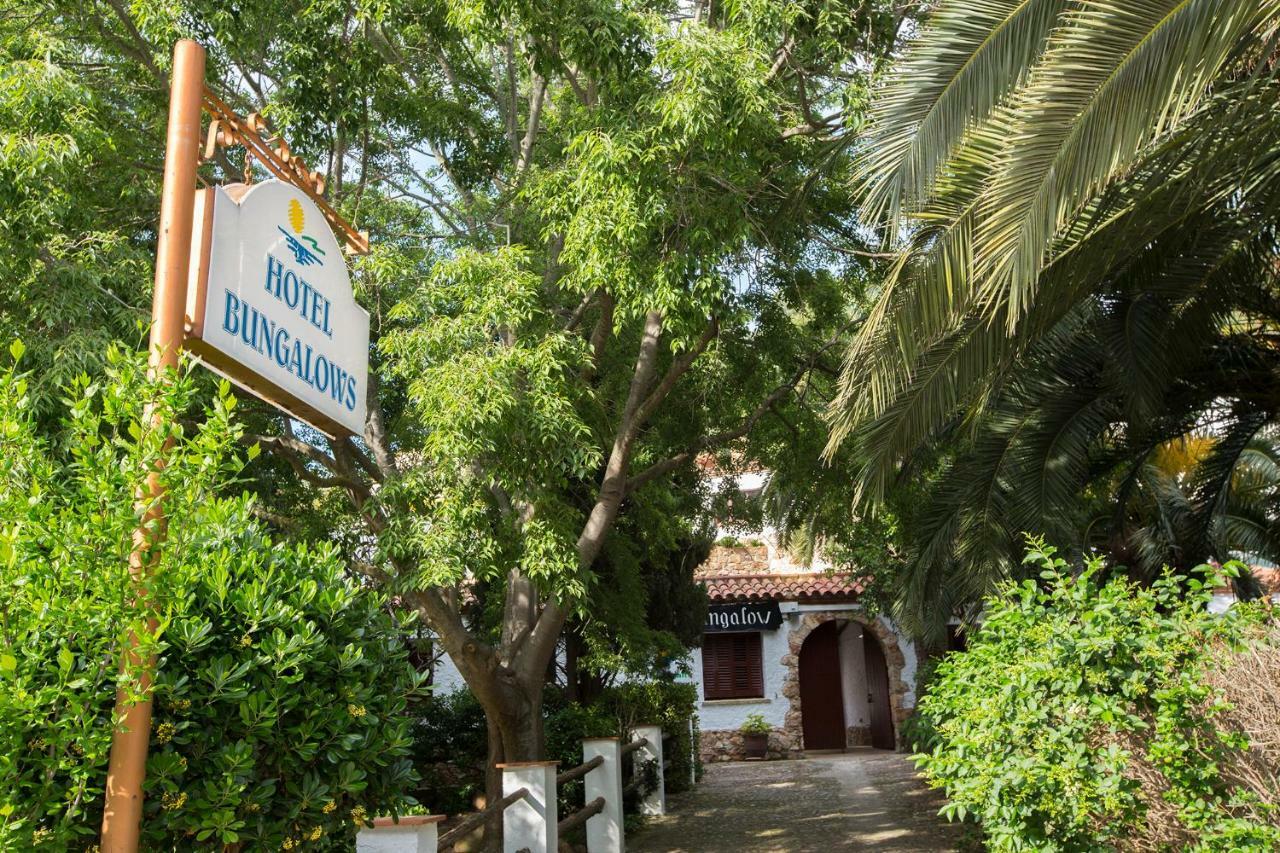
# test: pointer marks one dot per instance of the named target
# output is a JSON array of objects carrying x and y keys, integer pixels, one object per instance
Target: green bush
[
  {"x": 280, "y": 706},
  {"x": 1073, "y": 691},
  {"x": 670, "y": 705},
  {"x": 450, "y": 752}
]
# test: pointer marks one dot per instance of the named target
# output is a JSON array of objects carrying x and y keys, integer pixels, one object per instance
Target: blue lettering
[
  {"x": 274, "y": 270},
  {"x": 351, "y": 394},
  {"x": 231, "y": 316},
  {"x": 322, "y": 372},
  {"x": 291, "y": 289},
  {"x": 282, "y": 346},
  {"x": 316, "y": 299},
  {"x": 249, "y": 325},
  {"x": 265, "y": 326}
]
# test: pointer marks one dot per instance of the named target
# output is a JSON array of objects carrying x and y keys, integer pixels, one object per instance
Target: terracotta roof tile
[
  {"x": 1268, "y": 579},
  {"x": 784, "y": 587}
]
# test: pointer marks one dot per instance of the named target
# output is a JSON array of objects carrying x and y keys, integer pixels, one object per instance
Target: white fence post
[
  {"x": 409, "y": 834},
  {"x": 604, "y": 831},
  {"x": 654, "y": 802},
  {"x": 530, "y": 823},
  {"x": 694, "y": 749}
]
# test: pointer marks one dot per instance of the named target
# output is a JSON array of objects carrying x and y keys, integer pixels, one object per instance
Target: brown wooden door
[
  {"x": 878, "y": 693},
  {"x": 821, "y": 699}
]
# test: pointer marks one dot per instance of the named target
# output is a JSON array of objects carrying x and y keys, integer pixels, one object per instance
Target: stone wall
[
  {"x": 728, "y": 745},
  {"x": 898, "y": 689},
  {"x": 735, "y": 560},
  {"x": 857, "y": 736}
]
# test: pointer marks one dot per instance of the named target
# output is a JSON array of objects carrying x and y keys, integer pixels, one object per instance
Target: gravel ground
[{"x": 860, "y": 800}]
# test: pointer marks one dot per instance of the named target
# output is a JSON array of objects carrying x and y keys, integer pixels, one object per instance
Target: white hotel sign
[{"x": 269, "y": 304}]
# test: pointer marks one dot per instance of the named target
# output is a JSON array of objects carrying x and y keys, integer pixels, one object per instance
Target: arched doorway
[
  {"x": 878, "y": 693},
  {"x": 821, "y": 695}
]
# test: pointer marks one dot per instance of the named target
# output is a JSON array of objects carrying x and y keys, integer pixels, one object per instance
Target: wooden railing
[{"x": 529, "y": 804}]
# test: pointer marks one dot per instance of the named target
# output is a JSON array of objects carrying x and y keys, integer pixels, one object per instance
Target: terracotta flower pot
[{"x": 756, "y": 744}]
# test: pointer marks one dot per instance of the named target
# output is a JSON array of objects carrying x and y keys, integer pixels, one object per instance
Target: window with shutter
[{"x": 732, "y": 667}]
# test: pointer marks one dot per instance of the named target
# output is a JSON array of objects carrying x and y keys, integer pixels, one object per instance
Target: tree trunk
[{"x": 515, "y": 733}]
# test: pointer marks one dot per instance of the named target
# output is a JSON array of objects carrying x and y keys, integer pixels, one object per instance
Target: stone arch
[{"x": 895, "y": 662}]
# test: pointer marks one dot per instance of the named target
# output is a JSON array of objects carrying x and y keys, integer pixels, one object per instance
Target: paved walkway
[{"x": 861, "y": 800}]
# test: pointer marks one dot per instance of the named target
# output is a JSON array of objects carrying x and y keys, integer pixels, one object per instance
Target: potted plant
[{"x": 755, "y": 736}]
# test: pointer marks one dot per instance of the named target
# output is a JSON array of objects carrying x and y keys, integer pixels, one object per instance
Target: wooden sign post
[
  {"x": 283, "y": 325},
  {"x": 122, "y": 816}
]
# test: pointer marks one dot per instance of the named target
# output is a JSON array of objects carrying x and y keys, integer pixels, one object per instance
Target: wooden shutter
[{"x": 732, "y": 667}]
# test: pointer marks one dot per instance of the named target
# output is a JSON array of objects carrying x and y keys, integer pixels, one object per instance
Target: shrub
[
  {"x": 450, "y": 751},
  {"x": 282, "y": 699},
  {"x": 1069, "y": 687},
  {"x": 280, "y": 703},
  {"x": 451, "y": 754},
  {"x": 670, "y": 705}
]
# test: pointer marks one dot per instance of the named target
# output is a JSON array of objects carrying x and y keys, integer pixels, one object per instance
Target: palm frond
[{"x": 968, "y": 58}]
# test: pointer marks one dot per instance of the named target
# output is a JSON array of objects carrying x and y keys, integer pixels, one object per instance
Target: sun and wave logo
[{"x": 306, "y": 250}]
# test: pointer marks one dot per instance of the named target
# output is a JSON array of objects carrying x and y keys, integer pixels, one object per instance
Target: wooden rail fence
[{"x": 530, "y": 818}]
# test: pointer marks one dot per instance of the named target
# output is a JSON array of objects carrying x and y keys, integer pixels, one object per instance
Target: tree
[
  {"x": 576, "y": 216},
  {"x": 1087, "y": 279}
]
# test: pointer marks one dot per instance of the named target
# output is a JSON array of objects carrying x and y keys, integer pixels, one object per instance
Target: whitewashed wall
[
  {"x": 724, "y": 714},
  {"x": 853, "y": 682}
]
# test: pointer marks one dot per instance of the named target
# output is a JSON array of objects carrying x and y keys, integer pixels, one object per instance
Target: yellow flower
[
  {"x": 182, "y": 762},
  {"x": 171, "y": 802},
  {"x": 253, "y": 808},
  {"x": 41, "y": 835},
  {"x": 359, "y": 815},
  {"x": 246, "y": 641},
  {"x": 315, "y": 833},
  {"x": 289, "y": 844},
  {"x": 356, "y": 710},
  {"x": 165, "y": 732},
  {"x": 329, "y": 807}
]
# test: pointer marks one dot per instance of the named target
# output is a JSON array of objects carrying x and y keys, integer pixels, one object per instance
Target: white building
[
  {"x": 1268, "y": 578},
  {"x": 790, "y": 642},
  {"x": 796, "y": 647}
]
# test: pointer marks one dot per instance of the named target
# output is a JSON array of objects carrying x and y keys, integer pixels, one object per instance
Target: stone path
[{"x": 861, "y": 800}]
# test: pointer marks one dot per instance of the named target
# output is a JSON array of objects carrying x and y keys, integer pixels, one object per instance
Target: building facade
[{"x": 797, "y": 647}]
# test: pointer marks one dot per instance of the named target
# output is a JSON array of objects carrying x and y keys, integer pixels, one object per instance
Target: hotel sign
[
  {"x": 746, "y": 616},
  {"x": 270, "y": 306}
]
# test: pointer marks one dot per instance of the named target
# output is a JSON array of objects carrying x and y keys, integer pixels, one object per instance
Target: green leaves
[
  {"x": 1038, "y": 123},
  {"x": 250, "y": 695},
  {"x": 1070, "y": 694}
]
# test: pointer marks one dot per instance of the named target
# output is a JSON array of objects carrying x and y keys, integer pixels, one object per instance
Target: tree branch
[
  {"x": 678, "y": 368},
  {"x": 375, "y": 430},
  {"x": 536, "y": 97},
  {"x": 142, "y": 48},
  {"x": 298, "y": 453},
  {"x": 600, "y": 333},
  {"x": 670, "y": 464}
]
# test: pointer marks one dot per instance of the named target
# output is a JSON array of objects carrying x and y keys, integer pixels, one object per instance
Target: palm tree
[{"x": 1087, "y": 196}]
